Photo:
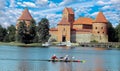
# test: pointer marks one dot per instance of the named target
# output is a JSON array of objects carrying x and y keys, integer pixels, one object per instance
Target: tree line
[
  {"x": 113, "y": 33},
  {"x": 24, "y": 34},
  {"x": 40, "y": 33}
]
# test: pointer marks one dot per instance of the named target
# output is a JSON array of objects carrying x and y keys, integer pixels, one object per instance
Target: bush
[{"x": 94, "y": 41}]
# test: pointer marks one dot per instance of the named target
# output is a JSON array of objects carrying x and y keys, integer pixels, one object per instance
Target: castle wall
[
  {"x": 77, "y": 26},
  {"x": 53, "y": 35},
  {"x": 81, "y": 37},
  {"x": 100, "y": 38}
]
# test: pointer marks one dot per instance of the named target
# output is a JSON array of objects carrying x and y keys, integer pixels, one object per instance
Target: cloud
[
  {"x": 26, "y": 4},
  {"x": 9, "y": 16},
  {"x": 52, "y": 5},
  {"x": 106, "y": 7},
  {"x": 101, "y": 2},
  {"x": 42, "y": 2},
  {"x": 115, "y": 1},
  {"x": 12, "y": 3},
  {"x": 94, "y": 14},
  {"x": 2, "y": 4},
  {"x": 65, "y": 2}
]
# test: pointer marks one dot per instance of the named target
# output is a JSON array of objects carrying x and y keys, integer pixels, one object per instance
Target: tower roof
[
  {"x": 69, "y": 10},
  {"x": 100, "y": 18},
  {"x": 25, "y": 15},
  {"x": 83, "y": 20}
]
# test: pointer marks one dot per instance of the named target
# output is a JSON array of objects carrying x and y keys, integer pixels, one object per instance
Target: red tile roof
[
  {"x": 64, "y": 21},
  {"x": 100, "y": 18},
  {"x": 83, "y": 20},
  {"x": 70, "y": 10},
  {"x": 25, "y": 15}
]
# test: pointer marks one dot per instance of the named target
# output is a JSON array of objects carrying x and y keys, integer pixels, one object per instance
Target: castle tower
[
  {"x": 26, "y": 16},
  {"x": 100, "y": 28},
  {"x": 64, "y": 26}
]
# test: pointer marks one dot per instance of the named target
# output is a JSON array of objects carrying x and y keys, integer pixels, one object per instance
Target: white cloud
[
  {"x": 115, "y": 1},
  {"x": 2, "y": 4},
  {"x": 52, "y": 5},
  {"x": 9, "y": 16},
  {"x": 106, "y": 7},
  {"x": 101, "y": 2},
  {"x": 27, "y": 4},
  {"x": 12, "y": 3},
  {"x": 42, "y": 2},
  {"x": 94, "y": 14},
  {"x": 65, "y": 2}
]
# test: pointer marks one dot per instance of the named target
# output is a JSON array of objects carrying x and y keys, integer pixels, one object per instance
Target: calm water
[{"x": 97, "y": 59}]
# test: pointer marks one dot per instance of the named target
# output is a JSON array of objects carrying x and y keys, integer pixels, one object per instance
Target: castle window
[
  {"x": 98, "y": 32},
  {"x": 101, "y": 27},
  {"x": 103, "y": 32},
  {"x": 95, "y": 27}
]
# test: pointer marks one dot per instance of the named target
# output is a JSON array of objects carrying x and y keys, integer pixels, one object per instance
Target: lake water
[{"x": 14, "y": 58}]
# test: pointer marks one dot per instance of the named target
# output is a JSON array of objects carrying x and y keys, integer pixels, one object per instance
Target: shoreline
[
  {"x": 56, "y": 44},
  {"x": 21, "y": 44}
]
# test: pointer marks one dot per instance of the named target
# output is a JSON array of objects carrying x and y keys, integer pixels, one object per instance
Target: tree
[
  {"x": 117, "y": 29},
  {"x": 11, "y": 33},
  {"x": 111, "y": 33},
  {"x": 3, "y": 33},
  {"x": 43, "y": 30},
  {"x": 26, "y": 34},
  {"x": 21, "y": 31},
  {"x": 32, "y": 31}
]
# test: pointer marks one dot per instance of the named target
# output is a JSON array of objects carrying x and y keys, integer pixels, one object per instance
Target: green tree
[
  {"x": 21, "y": 31},
  {"x": 26, "y": 34},
  {"x": 3, "y": 33},
  {"x": 11, "y": 33},
  {"x": 32, "y": 32},
  {"x": 111, "y": 33},
  {"x": 43, "y": 30},
  {"x": 117, "y": 29}
]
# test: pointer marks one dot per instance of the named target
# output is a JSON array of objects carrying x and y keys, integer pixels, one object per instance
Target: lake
[{"x": 13, "y": 58}]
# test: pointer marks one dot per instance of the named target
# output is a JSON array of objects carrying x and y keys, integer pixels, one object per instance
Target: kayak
[{"x": 66, "y": 60}]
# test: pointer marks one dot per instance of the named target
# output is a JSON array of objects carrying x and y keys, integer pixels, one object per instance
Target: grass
[{"x": 21, "y": 44}]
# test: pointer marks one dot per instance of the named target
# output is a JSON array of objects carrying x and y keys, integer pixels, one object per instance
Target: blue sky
[{"x": 10, "y": 10}]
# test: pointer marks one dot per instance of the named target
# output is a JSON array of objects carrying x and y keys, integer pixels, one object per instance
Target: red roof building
[{"x": 81, "y": 30}]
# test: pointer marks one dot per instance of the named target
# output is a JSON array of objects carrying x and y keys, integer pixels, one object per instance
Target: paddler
[
  {"x": 54, "y": 57},
  {"x": 66, "y": 58}
]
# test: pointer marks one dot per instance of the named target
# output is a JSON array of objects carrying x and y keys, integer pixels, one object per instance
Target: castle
[
  {"x": 68, "y": 29},
  {"x": 81, "y": 30}
]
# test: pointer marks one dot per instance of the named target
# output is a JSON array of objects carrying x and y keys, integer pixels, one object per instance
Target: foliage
[
  {"x": 94, "y": 41},
  {"x": 21, "y": 32},
  {"x": 111, "y": 33},
  {"x": 117, "y": 29},
  {"x": 11, "y": 34},
  {"x": 43, "y": 30},
  {"x": 26, "y": 34},
  {"x": 3, "y": 33}
]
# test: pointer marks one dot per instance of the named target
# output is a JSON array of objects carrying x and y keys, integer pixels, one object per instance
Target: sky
[{"x": 10, "y": 10}]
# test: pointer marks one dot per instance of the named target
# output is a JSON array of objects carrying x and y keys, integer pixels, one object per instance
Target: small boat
[
  {"x": 46, "y": 44},
  {"x": 61, "y": 44},
  {"x": 58, "y": 60}
]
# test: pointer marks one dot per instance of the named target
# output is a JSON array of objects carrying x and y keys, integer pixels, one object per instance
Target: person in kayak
[
  {"x": 66, "y": 58},
  {"x": 54, "y": 57}
]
